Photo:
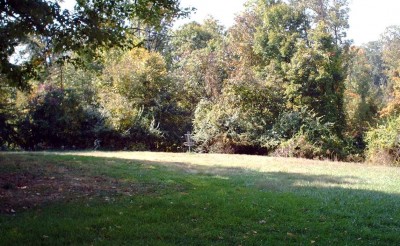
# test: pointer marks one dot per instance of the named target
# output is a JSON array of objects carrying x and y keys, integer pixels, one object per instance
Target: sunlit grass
[
  {"x": 199, "y": 199},
  {"x": 353, "y": 175}
]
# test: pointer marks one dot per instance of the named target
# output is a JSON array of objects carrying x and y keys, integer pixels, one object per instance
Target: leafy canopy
[{"x": 42, "y": 25}]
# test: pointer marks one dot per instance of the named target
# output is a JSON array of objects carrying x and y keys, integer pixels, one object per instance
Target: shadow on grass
[
  {"x": 297, "y": 183},
  {"x": 261, "y": 180},
  {"x": 349, "y": 192},
  {"x": 227, "y": 206},
  {"x": 337, "y": 204}
]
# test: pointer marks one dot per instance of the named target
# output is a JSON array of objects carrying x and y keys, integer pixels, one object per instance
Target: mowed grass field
[{"x": 144, "y": 198}]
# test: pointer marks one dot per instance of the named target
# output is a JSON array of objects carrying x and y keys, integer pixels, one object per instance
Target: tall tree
[
  {"x": 361, "y": 93},
  {"x": 8, "y": 116},
  {"x": 391, "y": 57},
  {"x": 198, "y": 53},
  {"x": 374, "y": 53},
  {"x": 139, "y": 100},
  {"x": 334, "y": 13},
  {"x": 92, "y": 24},
  {"x": 316, "y": 78}
]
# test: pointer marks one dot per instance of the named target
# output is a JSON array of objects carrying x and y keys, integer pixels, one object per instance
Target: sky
[{"x": 368, "y": 18}]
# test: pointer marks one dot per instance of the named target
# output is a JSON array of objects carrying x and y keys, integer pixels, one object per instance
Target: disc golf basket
[
  {"x": 96, "y": 144},
  {"x": 188, "y": 141}
]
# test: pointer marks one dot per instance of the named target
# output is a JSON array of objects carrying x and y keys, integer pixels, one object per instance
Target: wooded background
[{"x": 283, "y": 80}]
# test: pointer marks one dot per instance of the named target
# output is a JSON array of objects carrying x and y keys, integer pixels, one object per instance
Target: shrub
[
  {"x": 220, "y": 128},
  {"x": 297, "y": 146},
  {"x": 56, "y": 118},
  {"x": 215, "y": 127},
  {"x": 383, "y": 142},
  {"x": 302, "y": 134}
]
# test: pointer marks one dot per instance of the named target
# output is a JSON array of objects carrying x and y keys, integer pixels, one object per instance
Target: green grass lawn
[{"x": 133, "y": 198}]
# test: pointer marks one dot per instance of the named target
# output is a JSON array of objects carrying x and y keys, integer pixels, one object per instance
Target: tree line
[{"x": 284, "y": 80}]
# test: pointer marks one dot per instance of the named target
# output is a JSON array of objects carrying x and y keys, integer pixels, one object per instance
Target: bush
[
  {"x": 301, "y": 146},
  {"x": 57, "y": 119},
  {"x": 220, "y": 128},
  {"x": 383, "y": 142},
  {"x": 297, "y": 146},
  {"x": 238, "y": 120},
  {"x": 302, "y": 134}
]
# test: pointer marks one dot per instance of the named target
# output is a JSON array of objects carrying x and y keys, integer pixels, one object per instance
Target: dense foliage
[
  {"x": 283, "y": 80},
  {"x": 51, "y": 32}
]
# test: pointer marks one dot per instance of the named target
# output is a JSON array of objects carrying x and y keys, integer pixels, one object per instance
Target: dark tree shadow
[{"x": 332, "y": 206}]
